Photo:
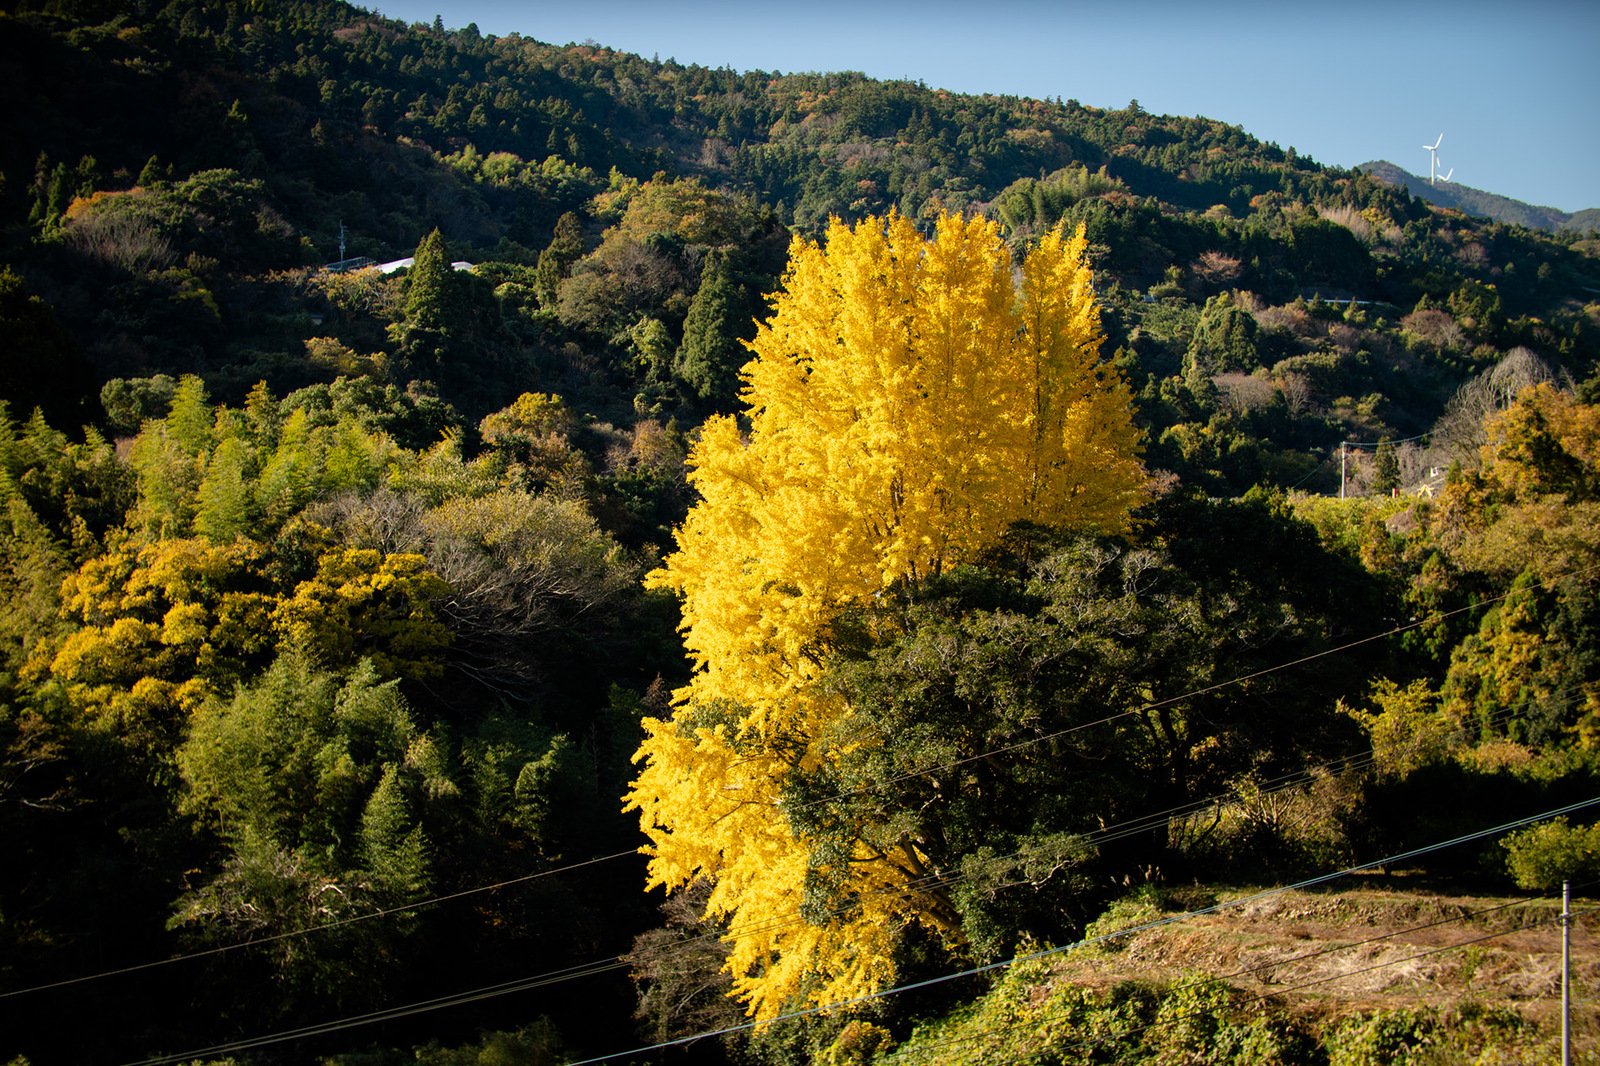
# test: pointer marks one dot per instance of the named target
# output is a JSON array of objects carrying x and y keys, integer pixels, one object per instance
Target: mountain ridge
[{"x": 1483, "y": 203}]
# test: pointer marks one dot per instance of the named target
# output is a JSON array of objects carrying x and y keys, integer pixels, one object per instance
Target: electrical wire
[
  {"x": 406, "y": 908},
  {"x": 1332, "y": 949},
  {"x": 505, "y": 988},
  {"x": 1155, "y": 820},
  {"x": 1169, "y": 920},
  {"x": 1171, "y": 700},
  {"x": 1436, "y": 616},
  {"x": 602, "y": 966},
  {"x": 610, "y": 964},
  {"x": 1247, "y": 971},
  {"x": 1104, "y": 835},
  {"x": 1324, "y": 464},
  {"x": 1381, "y": 443}
]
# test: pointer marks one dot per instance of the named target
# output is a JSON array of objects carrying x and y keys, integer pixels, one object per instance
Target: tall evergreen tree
[
  {"x": 1226, "y": 338},
  {"x": 430, "y": 297},
  {"x": 1388, "y": 473},
  {"x": 224, "y": 505},
  {"x": 555, "y": 262},
  {"x": 191, "y": 420},
  {"x": 712, "y": 353}
]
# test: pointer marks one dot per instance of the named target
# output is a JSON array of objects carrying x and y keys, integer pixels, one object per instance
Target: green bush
[
  {"x": 1123, "y": 914},
  {"x": 1386, "y": 1038},
  {"x": 1542, "y": 856}
]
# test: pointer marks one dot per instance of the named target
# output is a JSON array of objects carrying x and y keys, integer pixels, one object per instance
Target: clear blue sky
[{"x": 1513, "y": 86}]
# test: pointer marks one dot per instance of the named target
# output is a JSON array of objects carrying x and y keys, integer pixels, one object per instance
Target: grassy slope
[{"x": 1480, "y": 972}]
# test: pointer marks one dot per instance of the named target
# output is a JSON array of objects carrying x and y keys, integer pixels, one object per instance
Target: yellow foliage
[
  {"x": 1532, "y": 514},
  {"x": 161, "y": 626},
  {"x": 1541, "y": 473},
  {"x": 909, "y": 402},
  {"x": 185, "y": 623},
  {"x": 364, "y": 604},
  {"x": 1546, "y": 443},
  {"x": 148, "y": 639},
  {"x": 533, "y": 414},
  {"x": 1408, "y": 731}
]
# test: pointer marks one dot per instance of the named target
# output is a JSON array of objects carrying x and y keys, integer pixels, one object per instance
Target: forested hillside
[{"x": 949, "y": 524}]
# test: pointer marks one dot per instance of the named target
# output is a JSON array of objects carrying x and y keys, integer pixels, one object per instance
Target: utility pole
[
  {"x": 1566, "y": 973},
  {"x": 1341, "y": 470}
]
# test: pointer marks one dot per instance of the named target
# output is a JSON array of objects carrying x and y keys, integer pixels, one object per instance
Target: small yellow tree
[{"x": 909, "y": 401}]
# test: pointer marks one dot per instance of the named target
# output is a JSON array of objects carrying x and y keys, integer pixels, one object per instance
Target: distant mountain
[{"x": 1487, "y": 204}]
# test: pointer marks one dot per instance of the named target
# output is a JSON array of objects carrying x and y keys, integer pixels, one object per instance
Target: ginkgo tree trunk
[{"x": 909, "y": 401}]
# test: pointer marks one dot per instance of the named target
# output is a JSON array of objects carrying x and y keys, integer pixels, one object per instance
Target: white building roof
[{"x": 400, "y": 264}]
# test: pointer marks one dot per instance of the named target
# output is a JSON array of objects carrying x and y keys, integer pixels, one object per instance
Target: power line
[
  {"x": 597, "y": 967},
  {"x": 1332, "y": 949},
  {"x": 1246, "y": 971},
  {"x": 1169, "y": 701},
  {"x": 1157, "y": 923},
  {"x": 1152, "y": 820},
  {"x": 1381, "y": 443},
  {"x": 406, "y": 908},
  {"x": 586, "y": 969},
  {"x": 1103, "y": 835},
  {"x": 1003, "y": 750},
  {"x": 1311, "y": 475},
  {"x": 503, "y": 989},
  {"x": 1436, "y": 616},
  {"x": 611, "y": 963}
]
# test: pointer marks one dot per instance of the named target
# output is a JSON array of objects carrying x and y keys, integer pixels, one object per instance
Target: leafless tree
[
  {"x": 1243, "y": 393},
  {"x": 1436, "y": 327},
  {"x": 529, "y": 575},
  {"x": 1351, "y": 219},
  {"x": 678, "y": 969},
  {"x": 1462, "y": 429},
  {"x": 1215, "y": 270},
  {"x": 1290, "y": 319},
  {"x": 123, "y": 240},
  {"x": 1296, "y": 389}
]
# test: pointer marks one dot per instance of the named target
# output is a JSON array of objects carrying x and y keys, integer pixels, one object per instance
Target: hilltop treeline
[{"x": 324, "y": 587}]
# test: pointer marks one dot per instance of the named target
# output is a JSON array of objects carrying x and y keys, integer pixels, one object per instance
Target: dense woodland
[{"x": 344, "y": 610}]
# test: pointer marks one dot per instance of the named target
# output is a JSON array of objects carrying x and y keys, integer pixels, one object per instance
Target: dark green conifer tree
[
  {"x": 429, "y": 295},
  {"x": 712, "y": 353},
  {"x": 1226, "y": 338},
  {"x": 1387, "y": 478},
  {"x": 555, "y": 262}
]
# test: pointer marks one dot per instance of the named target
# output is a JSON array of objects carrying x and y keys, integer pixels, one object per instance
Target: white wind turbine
[{"x": 1433, "y": 161}]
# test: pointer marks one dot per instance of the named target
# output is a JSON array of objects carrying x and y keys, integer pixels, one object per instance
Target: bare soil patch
[{"x": 1334, "y": 954}]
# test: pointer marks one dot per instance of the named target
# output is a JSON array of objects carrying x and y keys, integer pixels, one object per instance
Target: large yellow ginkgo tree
[{"x": 910, "y": 399}]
